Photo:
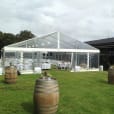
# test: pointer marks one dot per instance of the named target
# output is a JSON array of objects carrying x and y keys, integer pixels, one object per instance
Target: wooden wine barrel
[
  {"x": 10, "y": 74},
  {"x": 111, "y": 75},
  {"x": 46, "y": 96}
]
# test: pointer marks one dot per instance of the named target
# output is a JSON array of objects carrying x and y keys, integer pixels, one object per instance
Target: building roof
[{"x": 102, "y": 43}]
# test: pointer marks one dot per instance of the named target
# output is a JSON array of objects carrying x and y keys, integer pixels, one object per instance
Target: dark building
[{"x": 106, "y": 47}]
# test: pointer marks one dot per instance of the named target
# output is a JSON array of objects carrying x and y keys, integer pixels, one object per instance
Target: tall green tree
[
  {"x": 6, "y": 39},
  {"x": 24, "y": 35},
  {"x": 9, "y": 38}
]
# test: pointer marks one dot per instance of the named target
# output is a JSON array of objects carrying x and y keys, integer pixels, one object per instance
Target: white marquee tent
[{"x": 52, "y": 49}]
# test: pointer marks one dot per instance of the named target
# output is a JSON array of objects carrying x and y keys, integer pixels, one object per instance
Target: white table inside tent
[
  {"x": 77, "y": 68},
  {"x": 46, "y": 66},
  {"x": 0, "y": 71},
  {"x": 64, "y": 65},
  {"x": 38, "y": 70}
]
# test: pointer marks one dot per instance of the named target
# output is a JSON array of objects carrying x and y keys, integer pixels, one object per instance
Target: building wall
[{"x": 106, "y": 53}]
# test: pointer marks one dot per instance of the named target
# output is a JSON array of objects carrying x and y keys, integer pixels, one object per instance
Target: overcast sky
[{"x": 82, "y": 19}]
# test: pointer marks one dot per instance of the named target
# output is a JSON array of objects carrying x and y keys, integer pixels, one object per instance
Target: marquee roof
[{"x": 51, "y": 41}]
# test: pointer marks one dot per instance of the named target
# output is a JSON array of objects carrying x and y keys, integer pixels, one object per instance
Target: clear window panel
[
  {"x": 93, "y": 60},
  {"x": 82, "y": 60},
  {"x": 9, "y": 58}
]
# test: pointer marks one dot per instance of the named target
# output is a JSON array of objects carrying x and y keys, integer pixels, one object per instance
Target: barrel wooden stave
[
  {"x": 46, "y": 97},
  {"x": 111, "y": 76},
  {"x": 10, "y": 74}
]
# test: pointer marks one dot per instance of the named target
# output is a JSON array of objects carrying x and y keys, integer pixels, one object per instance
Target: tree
[
  {"x": 1, "y": 43},
  {"x": 24, "y": 35},
  {"x": 9, "y": 38}
]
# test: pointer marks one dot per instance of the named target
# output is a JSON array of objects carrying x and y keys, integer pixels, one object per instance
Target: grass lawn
[{"x": 80, "y": 93}]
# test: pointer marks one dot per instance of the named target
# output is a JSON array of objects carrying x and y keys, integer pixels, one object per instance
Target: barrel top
[
  {"x": 48, "y": 79},
  {"x": 10, "y": 67}
]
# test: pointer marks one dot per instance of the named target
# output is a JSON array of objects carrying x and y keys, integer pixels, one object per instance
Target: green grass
[{"x": 80, "y": 93}]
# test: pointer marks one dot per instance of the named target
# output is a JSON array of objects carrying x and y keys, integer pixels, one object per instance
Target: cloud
[{"x": 82, "y": 19}]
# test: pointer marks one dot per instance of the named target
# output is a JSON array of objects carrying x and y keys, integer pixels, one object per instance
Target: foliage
[
  {"x": 9, "y": 38},
  {"x": 80, "y": 93},
  {"x": 24, "y": 35}
]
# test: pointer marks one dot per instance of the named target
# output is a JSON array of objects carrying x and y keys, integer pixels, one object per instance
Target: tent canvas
[{"x": 56, "y": 44}]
